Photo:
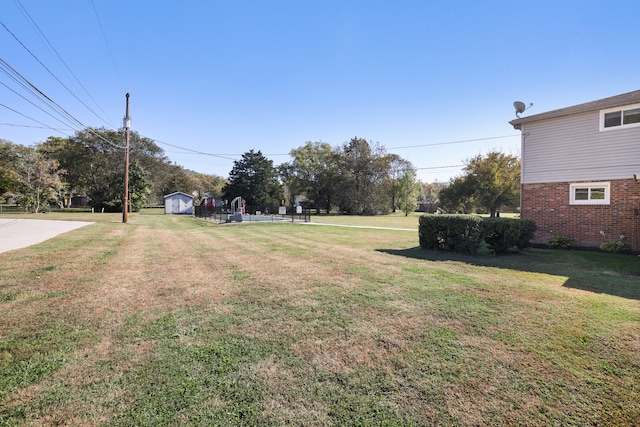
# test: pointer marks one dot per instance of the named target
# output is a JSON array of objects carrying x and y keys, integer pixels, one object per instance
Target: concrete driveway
[{"x": 20, "y": 233}]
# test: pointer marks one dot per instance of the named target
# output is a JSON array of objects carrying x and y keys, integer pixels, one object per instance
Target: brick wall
[{"x": 548, "y": 205}]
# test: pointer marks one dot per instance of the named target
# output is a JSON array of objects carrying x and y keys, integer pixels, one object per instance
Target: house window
[
  {"x": 590, "y": 193},
  {"x": 621, "y": 117}
]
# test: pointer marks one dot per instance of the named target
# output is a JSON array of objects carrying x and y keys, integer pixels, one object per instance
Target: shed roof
[
  {"x": 178, "y": 192},
  {"x": 601, "y": 104}
]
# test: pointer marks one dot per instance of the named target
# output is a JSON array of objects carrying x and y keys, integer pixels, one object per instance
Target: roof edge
[{"x": 600, "y": 104}]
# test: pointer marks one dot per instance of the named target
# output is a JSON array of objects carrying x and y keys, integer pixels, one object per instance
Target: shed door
[{"x": 176, "y": 205}]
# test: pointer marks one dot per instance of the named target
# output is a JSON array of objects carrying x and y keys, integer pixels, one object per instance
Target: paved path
[
  {"x": 20, "y": 233},
  {"x": 359, "y": 226}
]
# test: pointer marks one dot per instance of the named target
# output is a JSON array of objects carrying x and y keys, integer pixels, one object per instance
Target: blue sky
[{"x": 224, "y": 77}]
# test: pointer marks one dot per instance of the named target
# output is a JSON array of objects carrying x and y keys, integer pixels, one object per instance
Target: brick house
[{"x": 581, "y": 171}]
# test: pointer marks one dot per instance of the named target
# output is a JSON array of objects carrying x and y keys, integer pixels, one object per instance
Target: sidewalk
[{"x": 20, "y": 233}]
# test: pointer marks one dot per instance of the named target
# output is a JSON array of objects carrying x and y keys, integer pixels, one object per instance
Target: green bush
[
  {"x": 559, "y": 242},
  {"x": 466, "y": 234},
  {"x": 614, "y": 246},
  {"x": 503, "y": 234},
  {"x": 456, "y": 233}
]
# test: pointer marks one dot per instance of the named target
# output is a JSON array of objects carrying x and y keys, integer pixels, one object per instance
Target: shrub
[
  {"x": 613, "y": 246},
  {"x": 559, "y": 242},
  {"x": 466, "y": 234},
  {"x": 457, "y": 233},
  {"x": 503, "y": 234}
]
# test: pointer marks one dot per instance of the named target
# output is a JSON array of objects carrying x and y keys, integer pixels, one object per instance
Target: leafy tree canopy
[{"x": 255, "y": 179}]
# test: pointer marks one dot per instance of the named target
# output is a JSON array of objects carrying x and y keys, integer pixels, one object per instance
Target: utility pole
[{"x": 125, "y": 202}]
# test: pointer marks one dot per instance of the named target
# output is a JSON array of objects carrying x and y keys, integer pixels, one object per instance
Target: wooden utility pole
[{"x": 125, "y": 202}]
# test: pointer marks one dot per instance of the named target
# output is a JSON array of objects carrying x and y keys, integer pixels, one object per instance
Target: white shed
[{"x": 178, "y": 203}]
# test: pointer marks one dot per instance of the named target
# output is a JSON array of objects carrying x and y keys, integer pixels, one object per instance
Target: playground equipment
[{"x": 237, "y": 209}]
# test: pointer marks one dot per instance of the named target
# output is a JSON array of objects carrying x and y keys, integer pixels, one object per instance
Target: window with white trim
[
  {"x": 620, "y": 117},
  {"x": 590, "y": 193}
]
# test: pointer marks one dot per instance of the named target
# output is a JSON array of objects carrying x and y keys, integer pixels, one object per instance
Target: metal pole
[{"x": 125, "y": 204}]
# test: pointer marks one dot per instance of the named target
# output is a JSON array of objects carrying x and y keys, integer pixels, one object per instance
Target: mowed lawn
[{"x": 172, "y": 320}]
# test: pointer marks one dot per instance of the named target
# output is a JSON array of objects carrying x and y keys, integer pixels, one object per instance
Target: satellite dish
[{"x": 520, "y": 107}]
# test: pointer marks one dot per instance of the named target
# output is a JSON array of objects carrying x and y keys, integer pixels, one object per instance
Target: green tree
[
  {"x": 255, "y": 179},
  {"x": 208, "y": 185},
  {"x": 429, "y": 196},
  {"x": 489, "y": 183},
  {"x": 363, "y": 176},
  {"x": 139, "y": 186},
  {"x": 456, "y": 197},
  {"x": 94, "y": 161},
  {"x": 407, "y": 191},
  {"x": 494, "y": 180},
  {"x": 399, "y": 169},
  {"x": 39, "y": 178},
  {"x": 9, "y": 177},
  {"x": 177, "y": 179},
  {"x": 313, "y": 172}
]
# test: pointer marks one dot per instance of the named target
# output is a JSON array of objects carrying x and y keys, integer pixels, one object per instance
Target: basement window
[
  {"x": 590, "y": 193},
  {"x": 620, "y": 117}
]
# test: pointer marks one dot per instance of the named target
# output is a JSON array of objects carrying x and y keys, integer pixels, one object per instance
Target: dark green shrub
[
  {"x": 464, "y": 233},
  {"x": 456, "y": 233},
  {"x": 528, "y": 228},
  {"x": 559, "y": 242},
  {"x": 503, "y": 234},
  {"x": 614, "y": 246}
]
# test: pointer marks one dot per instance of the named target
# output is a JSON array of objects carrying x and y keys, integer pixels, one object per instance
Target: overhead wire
[
  {"x": 65, "y": 117},
  {"x": 104, "y": 38},
  {"x": 14, "y": 75},
  {"x": 31, "y": 126},
  {"x": 53, "y": 49},
  {"x": 51, "y": 73},
  {"x": 454, "y": 142},
  {"x": 30, "y": 118}
]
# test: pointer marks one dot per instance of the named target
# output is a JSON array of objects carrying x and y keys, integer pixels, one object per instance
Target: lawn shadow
[{"x": 617, "y": 275}]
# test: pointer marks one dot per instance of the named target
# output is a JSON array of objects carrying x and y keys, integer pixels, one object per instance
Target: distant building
[{"x": 178, "y": 203}]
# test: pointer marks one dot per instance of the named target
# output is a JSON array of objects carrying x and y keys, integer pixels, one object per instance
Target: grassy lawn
[{"x": 171, "y": 320}]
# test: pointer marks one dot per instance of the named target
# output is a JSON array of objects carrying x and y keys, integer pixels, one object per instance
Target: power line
[
  {"x": 113, "y": 62},
  {"x": 50, "y": 72},
  {"x": 25, "y": 83},
  {"x": 222, "y": 156},
  {"x": 454, "y": 142},
  {"x": 44, "y": 37},
  {"x": 440, "y": 167},
  {"x": 30, "y": 118},
  {"x": 31, "y": 126}
]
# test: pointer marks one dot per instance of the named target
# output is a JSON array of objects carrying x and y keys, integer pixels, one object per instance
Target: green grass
[{"x": 175, "y": 321}]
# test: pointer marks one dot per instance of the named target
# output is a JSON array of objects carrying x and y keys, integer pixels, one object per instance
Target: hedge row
[{"x": 465, "y": 234}]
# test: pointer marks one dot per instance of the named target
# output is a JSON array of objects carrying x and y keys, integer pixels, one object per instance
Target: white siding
[
  {"x": 572, "y": 148},
  {"x": 178, "y": 203}
]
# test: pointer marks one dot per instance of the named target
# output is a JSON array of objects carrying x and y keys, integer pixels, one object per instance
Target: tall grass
[{"x": 175, "y": 321}]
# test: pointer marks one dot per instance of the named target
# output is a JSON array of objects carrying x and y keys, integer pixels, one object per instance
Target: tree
[
  {"x": 208, "y": 185},
  {"x": 429, "y": 196},
  {"x": 9, "y": 177},
  {"x": 313, "y": 173},
  {"x": 39, "y": 178},
  {"x": 139, "y": 186},
  {"x": 407, "y": 191},
  {"x": 255, "y": 179},
  {"x": 494, "y": 180},
  {"x": 94, "y": 161},
  {"x": 398, "y": 180},
  {"x": 456, "y": 197},
  {"x": 489, "y": 183},
  {"x": 363, "y": 174}
]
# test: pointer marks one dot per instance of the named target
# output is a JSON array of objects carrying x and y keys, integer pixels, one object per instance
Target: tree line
[
  {"x": 358, "y": 177},
  {"x": 89, "y": 167}
]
